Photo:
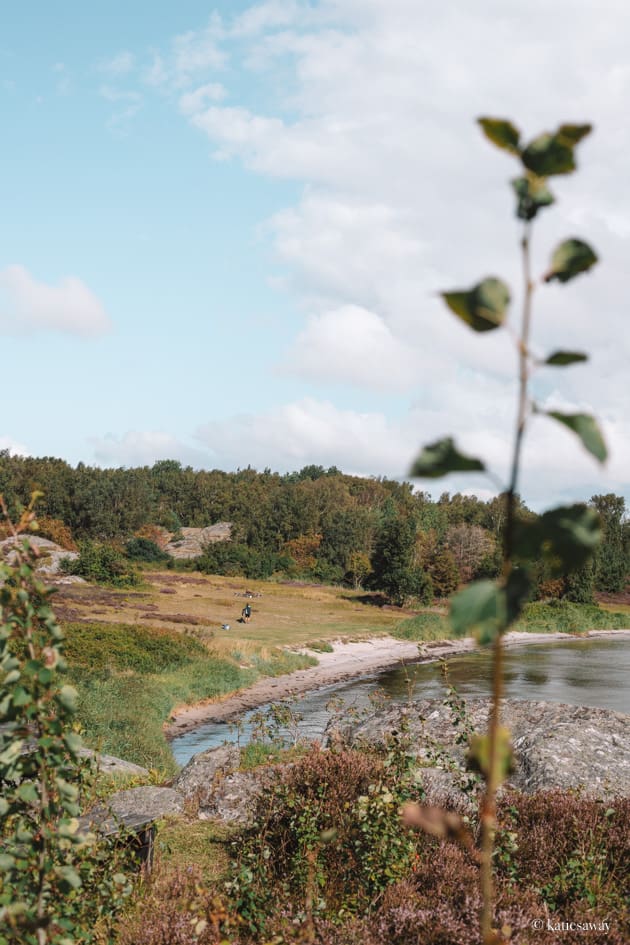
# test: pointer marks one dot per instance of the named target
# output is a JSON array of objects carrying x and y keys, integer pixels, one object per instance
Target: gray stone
[
  {"x": 235, "y": 798},
  {"x": 109, "y": 764},
  {"x": 555, "y": 745},
  {"x": 193, "y": 540},
  {"x": 148, "y": 801},
  {"x": 50, "y": 554},
  {"x": 198, "y": 779}
]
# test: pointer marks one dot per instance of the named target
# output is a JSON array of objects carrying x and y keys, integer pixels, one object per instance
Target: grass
[
  {"x": 131, "y": 678},
  {"x": 182, "y": 843},
  {"x": 283, "y": 614},
  {"x": 553, "y": 617}
]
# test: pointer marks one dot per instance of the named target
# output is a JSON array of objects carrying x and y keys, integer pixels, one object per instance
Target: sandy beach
[{"x": 347, "y": 661}]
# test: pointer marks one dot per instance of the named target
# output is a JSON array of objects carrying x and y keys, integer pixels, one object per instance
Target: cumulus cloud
[
  {"x": 192, "y": 102},
  {"x": 370, "y": 104},
  {"x": 143, "y": 448},
  {"x": 28, "y": 306},
  {"x": 14, "y": 448},
  {"x": 352, "y": 345},
  {"x": 120, "y": 64}
]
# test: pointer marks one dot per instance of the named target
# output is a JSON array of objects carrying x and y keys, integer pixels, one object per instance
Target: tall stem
[{"x": 489, "y": 805}]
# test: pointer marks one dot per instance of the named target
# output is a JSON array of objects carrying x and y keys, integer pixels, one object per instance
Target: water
[{"x": 584, "y": 672}]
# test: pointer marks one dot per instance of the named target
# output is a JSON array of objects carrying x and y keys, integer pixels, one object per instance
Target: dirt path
[{"x": 347, "y": 661}]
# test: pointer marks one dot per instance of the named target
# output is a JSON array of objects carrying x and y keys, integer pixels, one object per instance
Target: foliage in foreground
[
  {"x": 329, "y": 861},
  {"x": 55, "y": 882}
]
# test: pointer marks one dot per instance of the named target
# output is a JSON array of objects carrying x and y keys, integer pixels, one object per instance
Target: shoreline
[{"x": 348, "y": 661}]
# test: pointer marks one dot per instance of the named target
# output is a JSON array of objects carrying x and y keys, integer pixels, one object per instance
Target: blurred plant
[
  {"x": 566, "y": 537},
  {"x": 56, "y": 883}
]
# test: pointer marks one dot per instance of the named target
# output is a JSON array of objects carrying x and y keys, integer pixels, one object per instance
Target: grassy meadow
[{"x": 135, "y": 655}]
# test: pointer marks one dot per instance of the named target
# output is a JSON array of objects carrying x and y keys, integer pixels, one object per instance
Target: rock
[
  {"x": 555, "y": 745},
  {"x": 109, "y": 764},
  {"x": 211, "y": 782},
  {"x": 50, "y": 554},
  {"x": 196, "y": 781},
  {"x": 148, "y": 802},
  {"x": 193, "y": 540},
  {"x": 235, "y": 798}
]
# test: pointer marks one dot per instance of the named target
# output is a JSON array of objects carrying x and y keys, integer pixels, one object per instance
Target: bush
[
  {"x": 55, "y": 530},
  {"x": 102, "y": 564},
  {"x": 329, "y": 831},
  {"x": 229, "y": 558},
  {"x": 56, "y": 883},
  {"x": 143, "y": 549}
]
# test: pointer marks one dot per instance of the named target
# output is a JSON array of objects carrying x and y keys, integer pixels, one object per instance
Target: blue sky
[{"x": 225, "y": 225}]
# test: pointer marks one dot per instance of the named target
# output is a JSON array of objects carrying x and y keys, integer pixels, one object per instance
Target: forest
[{"x": 317, "y": 524}]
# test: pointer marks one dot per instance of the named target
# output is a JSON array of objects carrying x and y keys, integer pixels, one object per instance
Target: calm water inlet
[{"x": 584, "y": 672}]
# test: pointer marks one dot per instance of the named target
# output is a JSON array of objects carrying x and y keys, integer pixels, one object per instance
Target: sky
[{"x": 226, "y": 224}]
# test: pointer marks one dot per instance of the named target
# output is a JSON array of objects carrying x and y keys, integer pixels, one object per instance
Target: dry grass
[{"x": 284, "y": 615}]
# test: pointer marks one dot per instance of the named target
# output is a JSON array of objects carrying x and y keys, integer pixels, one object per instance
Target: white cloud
[
  {"x": 14, "y": 448},
  {"x": 28, "y": 306},
  {"x": 304, "y": 432},
  {"x": 370, "y": 103},
  {"x": 121, "y": 64},
  {"x": 352, "y": 345},
  {"x": 192, "y": 102},
  {"x": 143, "y": 448}
]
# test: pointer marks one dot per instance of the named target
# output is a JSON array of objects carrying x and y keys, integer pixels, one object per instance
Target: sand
[{"x": 347, "y": 661}]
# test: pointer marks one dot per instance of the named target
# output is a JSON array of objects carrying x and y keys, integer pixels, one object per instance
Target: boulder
[
  {"x": 219, "y": 791},
  {"x": 147, "y": 801},
  {"x": 192, "y": 541},
  {"x": 235, "y": 798},
  {"x": 109, "y": 764},
  {"x": 197, "y": 780},
  {"x": 555, "y": 745}
]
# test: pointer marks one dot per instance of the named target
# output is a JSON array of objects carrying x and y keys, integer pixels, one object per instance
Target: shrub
[
  {"x": 102, "y": 564},
  {"x": 143, "y": 549},
  {"x": 55, "y": 530},
  {"x": 329, "y": 833},
  {"x": 55, "y": 883}
]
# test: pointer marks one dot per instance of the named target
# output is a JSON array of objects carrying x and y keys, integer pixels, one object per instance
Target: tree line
[{"x": 316, "y": 524}]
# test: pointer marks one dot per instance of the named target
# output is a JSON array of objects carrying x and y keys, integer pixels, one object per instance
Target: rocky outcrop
[
  {"x": 555, "y": 745},
  {"x": 197, "y": 781},
  {"x": 50, "y": 554},
  {"x": 193, "y": 540},
  {"x": 213, "y": 785},
  {"x": 109, "y": 764}
]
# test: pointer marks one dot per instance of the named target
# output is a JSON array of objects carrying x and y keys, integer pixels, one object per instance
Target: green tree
[
  {"x": 393, "y": 568},
  {"x": 611, "y": 560}
]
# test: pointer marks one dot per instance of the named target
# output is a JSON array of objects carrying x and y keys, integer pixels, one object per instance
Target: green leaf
[
  {"x": 586, "y": 428},
  {"x": 480, "y": 609},
  {"x": 27, "y": 792},
  {"x": 442, "y": 457},
  {"x": 478, "y": 757},
  {"x": 502, "y": 133},
  {"x": 532, "y": 195},
  {"x": 563, "y": 358},
  {"x": 67, "y": 697},
  {"x": 566, "y": 537},
  {"x": 69, "y": 877},
  {"x": 570, "y": 258},
  {"x": 6, "y": 861},
  {"x": 574, "y": 133},
  {"x": 549, "y": 154},
  {"x": 483, "y": 307}
]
